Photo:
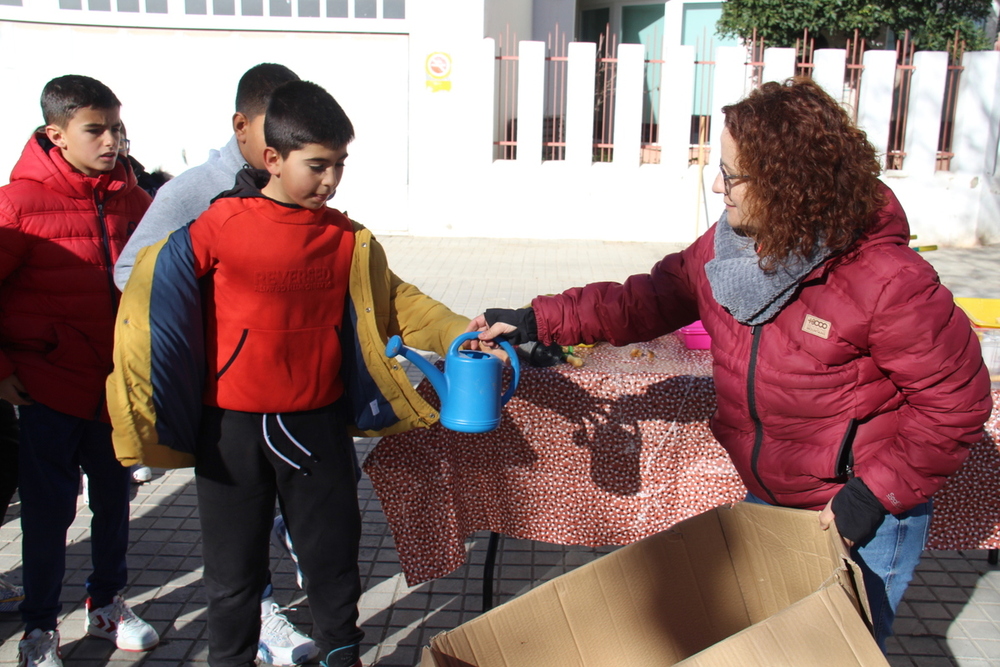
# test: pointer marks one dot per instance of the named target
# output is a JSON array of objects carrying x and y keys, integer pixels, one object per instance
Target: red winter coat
[
  {"x": 60, "y": 234},
  {"x": 869, "y": 370}
]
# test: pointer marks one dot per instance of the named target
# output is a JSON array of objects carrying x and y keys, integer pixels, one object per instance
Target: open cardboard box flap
[{"x": 754, "y": 585}]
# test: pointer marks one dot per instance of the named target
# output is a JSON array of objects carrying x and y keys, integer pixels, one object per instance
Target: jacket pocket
[
  {"x": 74, "y": 349},
  {"x": 236, "y": 353},
  {"x": 280, "y": 370}
]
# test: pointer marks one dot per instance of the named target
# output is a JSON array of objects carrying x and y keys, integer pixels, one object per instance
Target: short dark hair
[
  {"x": 256, "y": 86},
  {"x": 303, "y": 113},
  {"x": 63, "y": 96}
]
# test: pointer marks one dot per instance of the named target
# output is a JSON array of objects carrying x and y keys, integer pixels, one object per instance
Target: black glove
[
  {"x": 858, "y": 513},
  {"x": 522, "y": 318}
]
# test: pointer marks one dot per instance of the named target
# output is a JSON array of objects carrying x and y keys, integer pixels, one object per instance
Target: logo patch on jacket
[{"x": 817, "y": 327}]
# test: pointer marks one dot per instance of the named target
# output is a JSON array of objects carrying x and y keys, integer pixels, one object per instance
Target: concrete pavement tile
[
  {"x": 965, "y": 610},
  {"x": 923, "y": 645},
  {"x": 401, "y": 617},
  {"x": 979, "y": 629},
  {"x": 160, "y": 610},
  {"x": 905, "y": 627},
  {"x": 172, "y": 649},
  {"x": 990, "y": 648},
  {"x": 932, "y": 661},
  {"x": 953, "y": 593},
  {"x": 186, "y": 629},
  {"x": 991, "y": 611},
  {"x": 8, "y": 648},
  {"x": 930, "y": 610},
  {"x": 941, "y": 628},
  {"x": 392, "y": 655},
  {"x": 986, "y": 595}
]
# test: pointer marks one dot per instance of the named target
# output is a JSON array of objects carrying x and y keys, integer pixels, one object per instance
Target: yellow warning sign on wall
[{"x": 438, "y": 68}]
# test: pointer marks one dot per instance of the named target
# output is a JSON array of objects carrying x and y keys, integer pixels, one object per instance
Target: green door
[{"x": 643, "y": 24}]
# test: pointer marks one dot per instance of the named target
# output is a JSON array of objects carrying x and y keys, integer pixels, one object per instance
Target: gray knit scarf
[{"x": 742, "y": 287}]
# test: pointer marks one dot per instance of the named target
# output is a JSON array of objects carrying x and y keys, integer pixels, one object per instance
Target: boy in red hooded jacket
[{"x": 64, "y": 219}]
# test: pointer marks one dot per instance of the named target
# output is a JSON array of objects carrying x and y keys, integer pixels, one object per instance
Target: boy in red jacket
[
  {"x": 275, "y": 263},
  {"x": 64, "y": 219}
]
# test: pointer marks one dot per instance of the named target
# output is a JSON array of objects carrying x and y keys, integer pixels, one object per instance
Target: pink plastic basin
[{"x": 695, "y": 337}]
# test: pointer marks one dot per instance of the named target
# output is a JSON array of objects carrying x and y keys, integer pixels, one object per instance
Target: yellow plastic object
[{"x": 983, "y": 312}]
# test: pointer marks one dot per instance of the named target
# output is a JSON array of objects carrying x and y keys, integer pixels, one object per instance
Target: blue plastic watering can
[{"x": 469, "y": 387}]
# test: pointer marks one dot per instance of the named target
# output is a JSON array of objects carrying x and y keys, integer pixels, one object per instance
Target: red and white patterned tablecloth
[{"x": 604, "y": 454}]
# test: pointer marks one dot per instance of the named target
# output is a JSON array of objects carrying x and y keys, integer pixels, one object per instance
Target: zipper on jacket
[
  {"x": 106, "y": 245},
  {"x": 758, "y": 426},
  {"x": 845, "y": 454}
]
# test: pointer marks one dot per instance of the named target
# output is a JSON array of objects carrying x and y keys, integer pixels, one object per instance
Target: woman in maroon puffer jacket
[{"x": 848, "y": 381}]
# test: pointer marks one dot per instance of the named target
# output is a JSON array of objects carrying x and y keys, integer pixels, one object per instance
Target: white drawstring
[
  {"x": 267, "y": 439},
  {"x": 292, "y": 438}
]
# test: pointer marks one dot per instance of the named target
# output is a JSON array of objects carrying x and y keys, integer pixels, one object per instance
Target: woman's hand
[
  {"x": 12, "y": 391},
  {"x": 827, "y": 518}
]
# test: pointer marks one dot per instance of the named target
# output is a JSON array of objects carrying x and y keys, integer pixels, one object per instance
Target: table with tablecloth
[{"x": 604, "y": 454}]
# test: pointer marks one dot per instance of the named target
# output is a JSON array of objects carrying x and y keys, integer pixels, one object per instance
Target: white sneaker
[
  {"x": 39, "y": 649},
  {"x": 280, "y": 642},
  {"x": 141, "y": 474},
  {"x": 281, "y": 538},
  {"x": 11, "y": 597},
  {"x": 118, "y": 623}
]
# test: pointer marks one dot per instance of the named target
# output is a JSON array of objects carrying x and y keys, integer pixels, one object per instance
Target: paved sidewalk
[{"x": 950, "y": 616}]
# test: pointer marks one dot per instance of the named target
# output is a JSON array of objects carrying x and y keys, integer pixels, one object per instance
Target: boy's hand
[
  {"x": 487, "y": 333},
  {"x": 12, "y": 391}
]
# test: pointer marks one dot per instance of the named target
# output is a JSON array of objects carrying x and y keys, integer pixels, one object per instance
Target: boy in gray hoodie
[{"x": 183, "y": 199}]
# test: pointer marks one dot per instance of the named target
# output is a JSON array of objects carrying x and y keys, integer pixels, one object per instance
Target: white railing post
[
  {"x": 730, "y": 86},
  {"x": 779, "y": 64},
  {"x": 676, "y": 95},
  {"x": 530, "y": 101},
  {"x": 828, "y": 71},
  {"x": 627, "y": 137},
  {"x": 977, "y": 114},
  {"x": 875, "y": 98},
  {"x": 582, "y": 68},
  {"x": 923, "y": 121}
]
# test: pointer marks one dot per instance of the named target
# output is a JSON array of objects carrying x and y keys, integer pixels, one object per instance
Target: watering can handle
[{"x": 511, "y": 353}]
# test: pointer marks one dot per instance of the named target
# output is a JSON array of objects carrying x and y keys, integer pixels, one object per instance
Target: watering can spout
[{"x": 395, "y": 347}]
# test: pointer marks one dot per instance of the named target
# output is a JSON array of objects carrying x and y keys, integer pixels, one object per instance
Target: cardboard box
[{"x": 744, "y": 585}]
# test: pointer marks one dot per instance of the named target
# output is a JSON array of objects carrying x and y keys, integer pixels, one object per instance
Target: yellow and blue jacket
[{"x": 155, "y": 390}]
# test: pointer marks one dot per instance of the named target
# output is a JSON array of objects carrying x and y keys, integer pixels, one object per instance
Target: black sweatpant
[
  {"x": 238, "y": 476},
  {"x": 8, "y": 456}
]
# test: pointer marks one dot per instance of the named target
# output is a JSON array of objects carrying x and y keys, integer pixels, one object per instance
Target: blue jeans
[
  {"x": 887, "y": 560},
  {"x": 53, "y": 448}
]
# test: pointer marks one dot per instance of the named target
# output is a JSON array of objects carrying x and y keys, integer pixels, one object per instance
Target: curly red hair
[{"x": 813, "y": 175}]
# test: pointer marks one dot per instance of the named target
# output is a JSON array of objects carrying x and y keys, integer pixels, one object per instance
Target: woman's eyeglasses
[{"x": 727, "y": 179}]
